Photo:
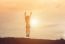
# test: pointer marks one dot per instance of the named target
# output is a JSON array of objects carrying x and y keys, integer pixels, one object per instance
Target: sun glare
[{"x": 34, "y": 22}]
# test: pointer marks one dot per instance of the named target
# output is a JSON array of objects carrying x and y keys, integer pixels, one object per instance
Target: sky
[{"x": 50, "y": 15}]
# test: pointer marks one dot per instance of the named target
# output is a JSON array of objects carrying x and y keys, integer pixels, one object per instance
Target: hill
[{"x": 11, "y": 40}]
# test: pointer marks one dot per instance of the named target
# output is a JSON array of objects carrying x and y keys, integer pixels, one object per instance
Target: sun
[{"x": 33, "y": 22}]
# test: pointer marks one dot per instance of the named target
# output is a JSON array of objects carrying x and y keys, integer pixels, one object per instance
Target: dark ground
[{"x": 29, "y": 41}]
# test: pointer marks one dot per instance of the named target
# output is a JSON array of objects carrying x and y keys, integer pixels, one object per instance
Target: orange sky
[{"x": 50, "y": 13}]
